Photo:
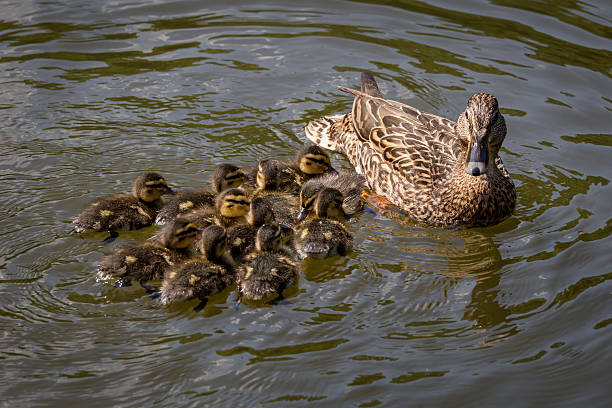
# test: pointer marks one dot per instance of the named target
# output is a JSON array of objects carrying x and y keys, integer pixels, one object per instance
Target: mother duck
[{"x": 440, "y": 172}]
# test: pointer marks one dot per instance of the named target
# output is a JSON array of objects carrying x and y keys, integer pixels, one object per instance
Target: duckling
[
  {"x": 350, "y": 184},
  {"x": 124, "y": 211},
  {"x": 231, "y": 206},
  {"x": 241, "y": 237},
  {"x": 275, "y": 176},
  {"x": 149, "y": 260},
  {"x": 284, "y": 206},
  {"x": 267, "y": 270},
  {"x": 225, "y": 176},
  {"x": 203, "y": 276},
  {"x": 310, "y": 161},
  {"x": 322, "y": 235}
]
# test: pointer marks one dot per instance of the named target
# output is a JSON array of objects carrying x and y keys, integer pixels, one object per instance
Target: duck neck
[{"x": 476, "y": 200}]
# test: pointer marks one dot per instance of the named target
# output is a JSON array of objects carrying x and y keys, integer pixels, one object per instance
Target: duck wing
[{"x": 421, "y": 147}]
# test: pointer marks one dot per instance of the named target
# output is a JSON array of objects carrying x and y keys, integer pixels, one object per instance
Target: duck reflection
[{"x": 462, "y": 257}]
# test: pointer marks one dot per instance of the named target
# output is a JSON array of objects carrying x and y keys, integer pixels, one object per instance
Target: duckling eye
[{"x": 149, "y": 191}]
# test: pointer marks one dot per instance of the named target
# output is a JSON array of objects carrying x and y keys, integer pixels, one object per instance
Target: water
[{"x": 516, "y": 314}]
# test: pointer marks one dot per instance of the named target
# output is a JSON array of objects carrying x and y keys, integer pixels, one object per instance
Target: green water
[{"x": 94, "y": 92}]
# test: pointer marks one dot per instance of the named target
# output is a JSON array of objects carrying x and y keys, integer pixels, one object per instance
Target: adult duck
[{"x": 439, "y": 172}]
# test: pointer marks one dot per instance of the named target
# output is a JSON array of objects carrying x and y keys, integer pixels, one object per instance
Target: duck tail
[
  {"x": 369, "y": 85},
  {"x": 324, "y": 133}
]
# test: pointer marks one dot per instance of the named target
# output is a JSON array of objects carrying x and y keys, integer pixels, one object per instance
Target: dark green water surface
[{"x": 94, "y": 92}]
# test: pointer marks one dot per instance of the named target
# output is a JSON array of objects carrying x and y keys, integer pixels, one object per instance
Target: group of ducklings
[{"x": 248, "y": 230}]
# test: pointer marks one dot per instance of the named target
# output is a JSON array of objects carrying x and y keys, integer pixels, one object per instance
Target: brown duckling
[
  {"x": 149, "y": 260},
  {"x": 125, "y": 211},
  {"x": 202, "y": 276},
  {"x": 231, "y": 207},
  {"x": 225, "y": 176},
  {"x": 284, "y": 206},
  {"x": 322, "y": 235},
  {"x": 310, "y": 161},
  {"x": 241, "y": 237},
  {"x": 350, "y": 184},
  {"x": 269, "y": 269}
]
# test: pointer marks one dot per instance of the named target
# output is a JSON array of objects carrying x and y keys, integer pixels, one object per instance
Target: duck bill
[
  {"x": 477, "y": 158},
  {"x": 332, "y": 170},
  {"x": 303, "y": 213},
  {"x": 170, "y": 191}
]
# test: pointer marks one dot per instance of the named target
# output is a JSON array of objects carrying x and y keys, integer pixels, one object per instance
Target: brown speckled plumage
[{"x": 420, "y": 161}]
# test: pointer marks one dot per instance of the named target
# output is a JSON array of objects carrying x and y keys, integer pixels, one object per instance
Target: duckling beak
[
  {"x": 170, "y": 190},
  {"x": 477, "y": 158},
  {"x": 303, "y": 213},
  {"x": 333, "y": 170}
]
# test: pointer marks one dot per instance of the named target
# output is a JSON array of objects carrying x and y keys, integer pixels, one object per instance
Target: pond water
[{"x": 94, "y": 92}]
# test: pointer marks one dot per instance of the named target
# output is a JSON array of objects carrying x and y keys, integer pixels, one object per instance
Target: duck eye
[{"x": 149, "y": 191}]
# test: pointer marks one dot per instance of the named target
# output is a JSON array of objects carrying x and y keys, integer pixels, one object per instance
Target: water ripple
[{"x": 96, "y": 92}]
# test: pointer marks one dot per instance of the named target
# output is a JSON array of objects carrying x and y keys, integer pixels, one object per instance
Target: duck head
[
  {"x": 268, "y": 174},
  {"x": 313, "y": 160},
  {"x": 213, "y": 244},
  {"x": 149, "y": 187},
  {"x": 232, "y": 203},
  {"x": 227, "y": 176},
  {"x": 308, "y": 196},
  {"x": 259, "y": 213},
  {"x": 328, "y": 204},
  {"x": 269, "y": 238},
  {"x": 179, "y": 234},
  {"x": 481, "y": 129}
]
